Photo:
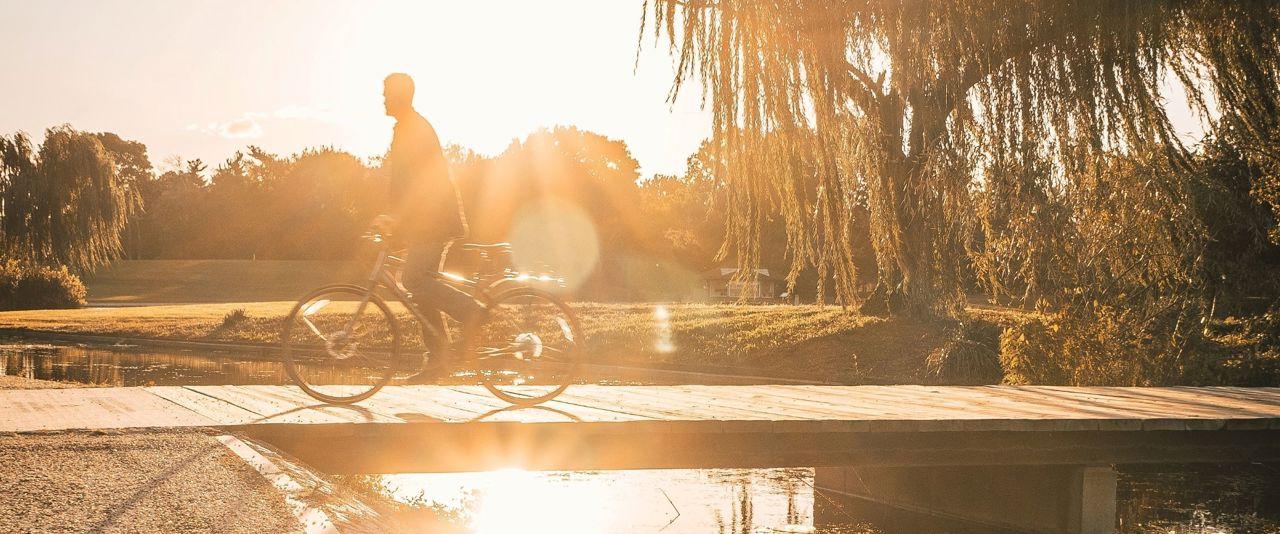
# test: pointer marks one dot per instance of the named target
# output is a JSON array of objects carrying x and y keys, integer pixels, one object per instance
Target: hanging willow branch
[{"x": 918, "y": 103}]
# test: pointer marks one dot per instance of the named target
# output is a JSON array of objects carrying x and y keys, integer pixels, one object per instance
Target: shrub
[
  {"x": 233, "y": 318},
  {"x": 10, "y": 274},
  {"x": 28, "y": 287},
  {"x": 1028, "y": 356},
  {"x": 1264, "y": 329},
  {"x": 1105, "y": 346},
  {"x": 969, "y": 357},
  {"x": 1246, "y": 351},
  {"x": 961, "y": 362}
]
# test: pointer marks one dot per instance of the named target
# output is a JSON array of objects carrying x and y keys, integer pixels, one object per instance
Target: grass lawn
[
  {"x": 185, "y": 281},
  {"x": 191, "y": 299},
  {"x": 785, "y": 340}
]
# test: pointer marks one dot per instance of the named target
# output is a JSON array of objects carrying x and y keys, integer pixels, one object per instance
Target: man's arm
[{"x": 401, "y": 160}]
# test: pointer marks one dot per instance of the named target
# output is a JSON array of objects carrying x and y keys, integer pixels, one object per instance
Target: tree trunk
[{"x": 910, "y": 281}]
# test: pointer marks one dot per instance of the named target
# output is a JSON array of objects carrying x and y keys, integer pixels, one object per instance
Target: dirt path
[{"x": 155, "y": 482}]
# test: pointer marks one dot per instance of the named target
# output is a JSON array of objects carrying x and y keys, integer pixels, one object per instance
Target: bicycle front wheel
[
  {"x": 528, "y": 348},
  {"x": 340, "y": 348}
]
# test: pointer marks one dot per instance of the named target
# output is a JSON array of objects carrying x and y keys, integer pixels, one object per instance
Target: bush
[
  {"x": 961, "y": 362},
  {"x": 10, "y": 274},
  {"x": 1027, "y": 352},
  {"x": 233, "y": 318},
  {"x": 1106, "y": 346},
  {"x": 969, "y": 357},
  {"x": 1246, "y": 351},
  {"x": 28, "y": 287}
]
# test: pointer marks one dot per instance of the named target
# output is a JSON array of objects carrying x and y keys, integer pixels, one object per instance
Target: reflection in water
[
  {"x": 125, "y": 367},
  {"x": 658, "y": 500},
  {"x": 1165, "y": 499},
  {"x": 131, "y": 366},
  {"x": 1199, "y": 498}
]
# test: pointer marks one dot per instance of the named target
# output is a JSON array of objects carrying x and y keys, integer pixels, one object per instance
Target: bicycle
[{"x": 343, "y": 343}]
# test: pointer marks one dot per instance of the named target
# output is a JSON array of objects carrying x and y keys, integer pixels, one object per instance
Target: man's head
[{"x": 397, "y": 94}]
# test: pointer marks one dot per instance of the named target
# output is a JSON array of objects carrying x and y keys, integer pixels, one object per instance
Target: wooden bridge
[{"x": 891, "y": 438}]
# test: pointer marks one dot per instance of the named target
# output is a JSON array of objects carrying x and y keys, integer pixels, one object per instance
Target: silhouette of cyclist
[{"x": 426, "y": 212}]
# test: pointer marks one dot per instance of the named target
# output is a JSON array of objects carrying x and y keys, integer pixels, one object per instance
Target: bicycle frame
[
  {"x": 494, "y": 283},
  {"x": 383, "y": 276}
]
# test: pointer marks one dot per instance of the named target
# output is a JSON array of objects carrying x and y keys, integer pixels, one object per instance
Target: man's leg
[{"x": 431, "y": 295}]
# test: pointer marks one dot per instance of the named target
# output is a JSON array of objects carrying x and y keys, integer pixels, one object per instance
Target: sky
[{"x": 202, "y": 79}]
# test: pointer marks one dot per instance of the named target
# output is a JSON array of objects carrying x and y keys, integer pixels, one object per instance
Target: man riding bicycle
[{"x": 425, "y": 211}]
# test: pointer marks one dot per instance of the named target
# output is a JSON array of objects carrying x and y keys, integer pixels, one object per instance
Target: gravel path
[{"x": 132, "y": 482}]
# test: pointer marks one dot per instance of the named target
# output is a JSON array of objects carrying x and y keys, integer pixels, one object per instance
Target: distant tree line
[
  {"x": 315, "y": 205},
  {"x": 654, "y": 236}
]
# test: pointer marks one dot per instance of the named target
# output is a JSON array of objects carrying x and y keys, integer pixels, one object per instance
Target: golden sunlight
[
  {"x": 553, "y": 234},
  {"x": 644, "y": 500},
  {"x": 663, "y": 343},
  {"x": 520, "y": 501}
]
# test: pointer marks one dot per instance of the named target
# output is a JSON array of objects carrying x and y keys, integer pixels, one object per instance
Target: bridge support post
[{"x": 1049, "y": 499}]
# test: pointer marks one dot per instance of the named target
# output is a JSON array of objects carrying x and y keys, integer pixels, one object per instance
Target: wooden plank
[
  {"x": 411, "y": 404},
  {"x": 787, "y": 416},
  {"x": 689, "y": 408},
  {"x": 663, "y": 402},
  {"x": 91, "y": 408},
  {"x": 861, "y": 412},
  {"x": 278, "y": 404},
  {"x": 677, "y": 416},
  {"x": 217, "y": 410},
  {"x": 555, "y": 410}
]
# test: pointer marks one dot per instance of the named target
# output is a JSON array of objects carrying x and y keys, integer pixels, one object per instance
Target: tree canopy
[
  {"x": 66, "y": 204},
  {"x": 920, "y": 103}
]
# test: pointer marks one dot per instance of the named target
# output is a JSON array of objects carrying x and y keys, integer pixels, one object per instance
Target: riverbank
[
  {"x": 243, "y": 302},
  {"x": 809, "y": 342},
  {"x": 20, "y": 382}
]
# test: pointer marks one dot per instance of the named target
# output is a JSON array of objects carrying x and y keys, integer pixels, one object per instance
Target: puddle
[{"x": 134, "y": 366}]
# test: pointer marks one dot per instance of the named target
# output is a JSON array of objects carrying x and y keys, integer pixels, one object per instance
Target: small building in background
[{"x": 723, "y": 285}]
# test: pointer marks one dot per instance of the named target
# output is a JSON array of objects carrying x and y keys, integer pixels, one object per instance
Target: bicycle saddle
[{"x": 486, "y": 247}]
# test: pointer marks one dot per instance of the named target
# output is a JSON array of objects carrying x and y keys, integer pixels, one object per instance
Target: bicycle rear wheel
[
  {"x": 528, "y": 348},
  {"x": 337, "y": 356}
]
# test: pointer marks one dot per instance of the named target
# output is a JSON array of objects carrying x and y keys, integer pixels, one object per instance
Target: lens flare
[
  {"x": 557, "y": 236},
  {"x": 663, "y": 343}
]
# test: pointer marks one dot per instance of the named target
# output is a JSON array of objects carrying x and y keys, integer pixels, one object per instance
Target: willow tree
[
  {"x": 918, "y": 103},
  {"x": 64, "y": 205}
]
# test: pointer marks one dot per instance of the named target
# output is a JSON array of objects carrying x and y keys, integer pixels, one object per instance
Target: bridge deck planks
[{"x": 769, "y": 408}]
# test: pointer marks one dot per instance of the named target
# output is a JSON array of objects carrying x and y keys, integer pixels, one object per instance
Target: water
[
  {"x": 660, "y": 500},
  {"x": 1201, "y": 499},
  {"x": 1152, "y": 498},
  {"x": 130, "y": 366}
]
